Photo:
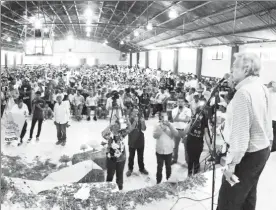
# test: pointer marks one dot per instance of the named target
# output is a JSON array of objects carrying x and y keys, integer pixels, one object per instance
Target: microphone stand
[{"x": 213, "y": 155}]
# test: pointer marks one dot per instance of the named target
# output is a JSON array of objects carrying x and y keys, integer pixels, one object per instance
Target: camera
[{"x": 114, "y": 97}]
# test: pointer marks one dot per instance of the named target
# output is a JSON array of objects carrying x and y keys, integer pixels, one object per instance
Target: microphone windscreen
[{"x": 227, "y": 76}]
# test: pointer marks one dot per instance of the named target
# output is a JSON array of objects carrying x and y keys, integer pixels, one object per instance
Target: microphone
[{"x": 225, "y": 77}]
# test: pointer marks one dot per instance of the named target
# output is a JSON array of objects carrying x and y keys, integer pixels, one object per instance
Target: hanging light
[
  {"x": 88, "y": 13},
  {"x": 70, "y": 37},
  {"x": 38, "y": 24},
  {"x": 88, "y": 22},
  {"x": 149, "y": 26},
  {"x": 136, "y": 33},
  {"x": 9, "y": 39},
  {"x": 19, "y": 42},
  {"x": 88, "y": 34},
  {"x": 173, "y": 14},
  {"x": 88, "y": 29},
  {"x": 122, "y": 42}
]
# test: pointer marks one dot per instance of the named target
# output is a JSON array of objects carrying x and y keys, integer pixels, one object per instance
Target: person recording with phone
[
  {"x": 114, "y": 136},
  {"x": 136, "y": 142},
  {"x": 164, "y": 133},
  {"x": 195, "y": 139}
]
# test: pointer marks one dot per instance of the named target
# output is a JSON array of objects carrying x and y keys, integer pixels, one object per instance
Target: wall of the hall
[
  {"x": 72, "y": 52},
  {"x": 10, "y": 57}
]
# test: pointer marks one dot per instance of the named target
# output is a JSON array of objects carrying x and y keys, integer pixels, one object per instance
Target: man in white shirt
[
  {"x": 273, "y": 112},
  {"x": 181, "y": 115},
  {"x": 61, "y": 118},
  {"x": 194, "y": 103},
  {"x": 21, "y": 109},
  {"x": 78, "y": 103},
  {"x": 90, "y": 103},
  {"x": 160, "y": 100},
  {"x": 248, "y": 120}
]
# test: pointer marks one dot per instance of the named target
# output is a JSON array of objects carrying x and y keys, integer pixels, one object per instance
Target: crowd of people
[{"x": 127, "y": 97}]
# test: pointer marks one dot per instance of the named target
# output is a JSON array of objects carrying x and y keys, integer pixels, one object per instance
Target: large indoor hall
[{"x": 138, "y": 105}]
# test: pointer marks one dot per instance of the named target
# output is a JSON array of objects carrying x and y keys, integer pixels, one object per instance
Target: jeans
[
  {"x": 28, "y": 103},
  {"x": 23, "y": 131},
  {"x": 33, "y": 125},
  {"x": 160, "y": 162},
  {"x": 61, "y": 132},
  {"x": 243, "y": 195},
  {"x": 118, "y": 167},
  {"x": 194, "y": 149},
  {"x": 273, "y": 149},
  {"x": 2, "y": 110},
  {"x": 177, "y": 140},
  {"x": 140, "y": 155}
]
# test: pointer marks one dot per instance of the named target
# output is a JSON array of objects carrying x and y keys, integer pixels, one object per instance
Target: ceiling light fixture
[
  {"x": 70, "y": 38},
  {"x": 88, "y": 13},
  {"x": 149, "y": 26},
  {"x": 88, "y": 22},
  {"x": 136, "y": 33},
  {"x": 88, "y": 29},
  {"x": 88, "y": 34},
  {"x": 9, "y": 39},
  {"x": 38, "y": 24},
  {"x": 173, "y": 14},
  {"x": 122, "y": 42}
]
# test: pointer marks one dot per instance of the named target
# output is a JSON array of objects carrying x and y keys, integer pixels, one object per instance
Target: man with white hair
[
  {"x": 248, "y": 120},
  {"x": 273, "y": 99}
]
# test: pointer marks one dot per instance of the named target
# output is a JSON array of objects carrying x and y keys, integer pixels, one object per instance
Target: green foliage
[
  {"x": 65, "y": 159},
  {"x": 4, "y": 188},
  {"x": 83, "y": 147}
]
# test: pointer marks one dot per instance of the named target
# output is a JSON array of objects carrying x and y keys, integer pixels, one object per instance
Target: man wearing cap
[
  {"x": 38, "y": 105},
  {"x": 21, "y": 109},
  {"x": 194, "y": 103}
]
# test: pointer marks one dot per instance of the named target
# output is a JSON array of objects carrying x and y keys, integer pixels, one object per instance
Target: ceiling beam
[
  {"x": 99, "y": 18},
  {"x": 230, "y": 33},
  {"x": 56, "y": 15},
  {"x": 45, "y": 13},
  {"x": 243, "y": 4},
  {"x": 69, "y": 18},
  {"x": 132, "y": 5},
  {"x": 78, "y": 16},
  {"x": 137, "y": 18},
  {"x": 111, "y": 16},
  {"x": 214, "y": 24}
]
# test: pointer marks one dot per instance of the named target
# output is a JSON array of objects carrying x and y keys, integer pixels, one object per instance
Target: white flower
[
  {"x": 117, "y": 153},
  {"x": 114, "y": 146}
]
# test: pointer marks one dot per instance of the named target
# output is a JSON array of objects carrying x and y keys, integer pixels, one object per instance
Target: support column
[
  {"x": 235, "y": 49},
  {"x": 159, "y": 60},
  {"x": 21, "y": 59},
  {"x": 199, "y": 62},
  {"x": 147, "y": 59},
  {"x": 130, "y": 59},
  {"x": 138, "y": 59},
  {"x": 14, "y": 61},
  {"x": 175, "y": 61},
  {"x": 6, "y": 59}
]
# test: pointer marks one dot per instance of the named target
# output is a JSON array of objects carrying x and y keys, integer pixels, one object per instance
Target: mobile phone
[{"x": 165, "y": 118}]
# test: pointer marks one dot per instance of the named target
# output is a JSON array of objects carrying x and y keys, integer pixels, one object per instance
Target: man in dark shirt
[
  {"x": 25, "y": 92},
  {"x": 37, "y": 110},
  {"x": 136, "y": 141},
  {"x": 195, "y": 141},
  {"x": 145, "y": 103}
]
